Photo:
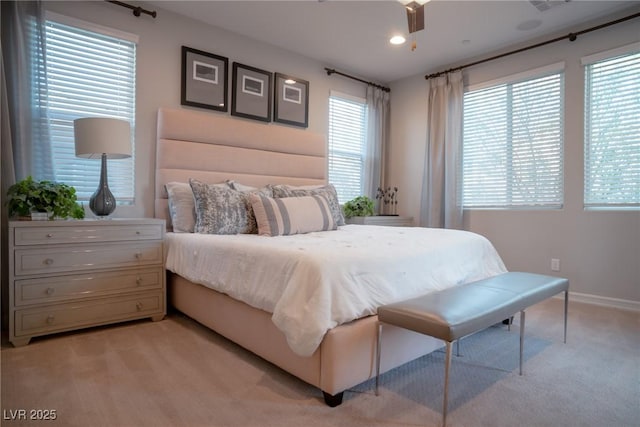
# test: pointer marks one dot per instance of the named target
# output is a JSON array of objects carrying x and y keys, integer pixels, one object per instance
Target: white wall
[
  {"x": 599, "y": 251},
  {"x": 159, "y": 71}
]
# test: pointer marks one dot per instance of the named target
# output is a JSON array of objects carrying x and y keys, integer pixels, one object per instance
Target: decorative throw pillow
[
  {"x": 329, "y": 191},
  {"x": 222, "y": 210},
  {"x": 246, "y": 188},
  {"x": 292, "y": 215},
  {"x": 182, "y": 206},
  {"x": 286, "y": 188}
]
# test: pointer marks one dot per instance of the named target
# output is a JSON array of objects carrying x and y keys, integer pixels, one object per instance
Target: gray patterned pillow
[
  {"x": 328, "y": 191},
  {"x": 182, "y": 206},
  {"x": 265, "y": 191},
  {"x": 222, "y": 210}
]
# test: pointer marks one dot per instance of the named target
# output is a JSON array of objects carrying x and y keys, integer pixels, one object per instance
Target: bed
[{"x": 212, "y": 148}]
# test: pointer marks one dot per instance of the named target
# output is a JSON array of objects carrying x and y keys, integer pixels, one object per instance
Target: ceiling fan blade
[{"x": 415, "y": 19}]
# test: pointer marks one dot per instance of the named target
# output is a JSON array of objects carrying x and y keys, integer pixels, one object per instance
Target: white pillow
[
  {"x": 181, "y": 207},
  {"x": 291, "y": 215}
]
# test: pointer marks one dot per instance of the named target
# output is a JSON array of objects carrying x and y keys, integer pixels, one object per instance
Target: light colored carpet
[{"x": 178, "y": 373}]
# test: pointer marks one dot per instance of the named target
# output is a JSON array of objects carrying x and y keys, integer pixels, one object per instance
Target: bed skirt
[{"x": 345, "y": 358}]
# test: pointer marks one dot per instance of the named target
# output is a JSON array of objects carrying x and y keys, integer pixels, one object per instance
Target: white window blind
[
  {"x": 513, "y": 144},
  {"x": 347, "y": 143},
  {"x": 88, "y": 74},
  {"x": 612, "y": 131}
]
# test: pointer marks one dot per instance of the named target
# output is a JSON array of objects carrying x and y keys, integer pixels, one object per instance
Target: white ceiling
[{"x": 353, "y": 36}]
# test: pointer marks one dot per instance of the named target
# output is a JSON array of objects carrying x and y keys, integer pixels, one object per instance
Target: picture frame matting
[
  {"x": 291, "y": 100},
  {"x": 251, "y": 92},
  {"x": 204, "y": 80}
]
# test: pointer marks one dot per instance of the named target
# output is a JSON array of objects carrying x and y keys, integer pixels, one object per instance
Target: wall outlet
[{"x": 555, "y": 264}]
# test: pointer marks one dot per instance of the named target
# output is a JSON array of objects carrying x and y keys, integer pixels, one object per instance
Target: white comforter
[{"x": 314, "y": 282}]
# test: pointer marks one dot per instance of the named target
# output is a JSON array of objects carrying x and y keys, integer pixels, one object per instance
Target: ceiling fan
[{"x": 415, "y": 16}]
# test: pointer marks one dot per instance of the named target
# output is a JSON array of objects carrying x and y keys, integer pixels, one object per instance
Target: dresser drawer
[
  {"x": 60, "y": 317},
  {"x": 47, "y": 260},
  {"x": 80, "y": 233},
  {"x": 54, "y": 289}
]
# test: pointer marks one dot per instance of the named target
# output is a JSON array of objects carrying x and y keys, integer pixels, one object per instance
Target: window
[
  {"x": 612, "y": 129},
  {"x": 513, "y": 142},
  {"x": 89, "y": 73},
  {"x": 347, "y": 143}
]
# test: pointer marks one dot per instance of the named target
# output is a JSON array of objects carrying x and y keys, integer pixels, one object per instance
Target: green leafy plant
[
  {"x": 360, "y": 206},
  {"x": 56, "y": 198}
]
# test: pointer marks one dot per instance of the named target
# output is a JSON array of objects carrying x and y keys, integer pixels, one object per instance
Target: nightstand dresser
[
  {"x": 73, "y": 274},
  {"x": 388, "y": 220}
]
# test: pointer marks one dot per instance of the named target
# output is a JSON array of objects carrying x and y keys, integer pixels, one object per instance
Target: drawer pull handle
[
  {"x": 138, "y": 255},
  {"x": 138, "y": 280},
  {"x": 50, "y": 291},
  {"x": 138, "y": 233},
  {"x": 49, "y": 236},
  {"x": 139, "y": 306},
  {"x": 50, "y": 319},
  {"x": 48, "y": 261}
]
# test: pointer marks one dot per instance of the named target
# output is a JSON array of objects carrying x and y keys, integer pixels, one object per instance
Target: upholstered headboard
[{"x": 213, "y": 148}]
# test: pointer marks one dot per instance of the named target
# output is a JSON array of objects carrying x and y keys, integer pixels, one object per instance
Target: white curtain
[
  {"x": 377, "y": 135},
  {"x": 25, "y": 136},
  {"x": 440, "y": 206},
  {"x": 23, "y": 145}
]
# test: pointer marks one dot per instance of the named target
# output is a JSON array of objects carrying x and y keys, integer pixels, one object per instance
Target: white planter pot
[{"x": 39, "y": 216}]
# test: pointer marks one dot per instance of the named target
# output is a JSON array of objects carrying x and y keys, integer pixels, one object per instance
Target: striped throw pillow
[{"x": 291, "y": 215}]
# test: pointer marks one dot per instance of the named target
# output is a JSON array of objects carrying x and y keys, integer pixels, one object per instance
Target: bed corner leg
[{"x": 333, "y": 400}]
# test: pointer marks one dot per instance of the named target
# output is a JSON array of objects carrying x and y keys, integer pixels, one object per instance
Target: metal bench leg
[
  {"x": 566, "y": 309},
  {"x": 521, "y": 338},
  {"x": 447, "y": 366},
  {"x": 378, "y": 355}
]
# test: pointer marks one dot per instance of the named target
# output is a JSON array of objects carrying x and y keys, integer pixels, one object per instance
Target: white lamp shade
[{"x": 95, "y": 136}]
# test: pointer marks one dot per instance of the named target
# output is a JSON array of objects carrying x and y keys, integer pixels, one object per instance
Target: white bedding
[{"x": 314, "y": 282}]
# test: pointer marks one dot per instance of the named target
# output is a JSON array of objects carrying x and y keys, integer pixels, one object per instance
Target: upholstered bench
[{"x": 456, "y": 312}]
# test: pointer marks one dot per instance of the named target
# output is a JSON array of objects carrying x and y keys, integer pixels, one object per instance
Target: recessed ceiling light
[{"x": 397, "y": 40}]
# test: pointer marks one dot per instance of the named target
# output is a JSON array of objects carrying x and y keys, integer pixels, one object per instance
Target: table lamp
[{"x": 101, "y": 137}]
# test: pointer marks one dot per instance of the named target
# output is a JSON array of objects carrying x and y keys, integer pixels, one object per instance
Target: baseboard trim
[{"x": 622, "y": 304}]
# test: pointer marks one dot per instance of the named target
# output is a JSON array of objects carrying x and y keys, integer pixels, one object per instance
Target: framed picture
[
  {"x": 204, "y": 80},
  {"x": 251, "y": 93},
  {"x": 291, "y": 101}
]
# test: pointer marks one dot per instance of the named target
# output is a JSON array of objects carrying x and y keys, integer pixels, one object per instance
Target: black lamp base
[{"x": 102, "y": 203}]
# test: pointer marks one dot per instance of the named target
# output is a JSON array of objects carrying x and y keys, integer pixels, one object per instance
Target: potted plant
[
  {"x": 360, "y": 206},
  {"x": 29, "y": 198}
]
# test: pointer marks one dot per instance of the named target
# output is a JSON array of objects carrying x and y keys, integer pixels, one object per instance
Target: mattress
[{"x": 316, "y": 281}]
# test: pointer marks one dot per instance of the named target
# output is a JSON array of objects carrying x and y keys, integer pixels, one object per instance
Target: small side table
[{"x": 387, "y": 220}]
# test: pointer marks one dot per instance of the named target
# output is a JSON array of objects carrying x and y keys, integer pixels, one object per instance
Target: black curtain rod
[
  {"x": 137, "y": 10},
  {"x": 332, "y": 71},
  {"x": 571, "y": 36}
]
